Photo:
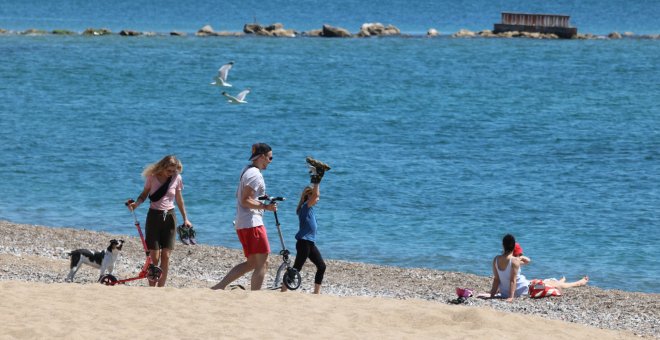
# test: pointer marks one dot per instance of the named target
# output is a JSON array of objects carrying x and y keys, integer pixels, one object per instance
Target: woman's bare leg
[
  {"x": 563, "y": 284},
  {"x": 155, "y": 260},
  {"x": 164, "y": 266}
]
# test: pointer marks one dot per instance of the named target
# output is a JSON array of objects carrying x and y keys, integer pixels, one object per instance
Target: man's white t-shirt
[{"x": 246, "y": 217}]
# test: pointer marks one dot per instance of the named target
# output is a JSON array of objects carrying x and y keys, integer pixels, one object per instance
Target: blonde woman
[{"x": 163, "y": 186}]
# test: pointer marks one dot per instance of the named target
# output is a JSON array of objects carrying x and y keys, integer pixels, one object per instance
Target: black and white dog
[{"x": 105, "y": 259}]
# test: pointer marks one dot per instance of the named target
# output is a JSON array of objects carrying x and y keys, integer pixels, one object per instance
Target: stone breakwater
[
  {"x": 36, "y": 253},
  {"x": 327, "y": 31}
]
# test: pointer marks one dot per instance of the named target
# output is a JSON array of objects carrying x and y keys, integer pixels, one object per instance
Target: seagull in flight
[
  {"x": 239, "y": 99},
  {"x": 223, "y": 72}
]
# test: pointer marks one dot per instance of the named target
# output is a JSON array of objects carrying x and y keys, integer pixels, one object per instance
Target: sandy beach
[{"x": 359, "y": 300}]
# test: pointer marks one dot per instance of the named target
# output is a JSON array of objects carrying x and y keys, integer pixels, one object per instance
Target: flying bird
[
  {"x": 223, "y": 72},
  {"x": 239, "y": 99}
]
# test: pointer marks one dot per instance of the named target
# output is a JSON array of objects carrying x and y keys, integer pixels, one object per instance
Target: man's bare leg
[
  {"x": 260, "y": 266},
  {"x": 238, "y": 271}
]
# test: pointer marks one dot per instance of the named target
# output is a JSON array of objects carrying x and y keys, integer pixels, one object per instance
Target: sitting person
[{"x": 508, "y": 279}]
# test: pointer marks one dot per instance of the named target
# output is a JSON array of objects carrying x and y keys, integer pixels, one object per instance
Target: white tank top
[{"x": 505, "y": 275}]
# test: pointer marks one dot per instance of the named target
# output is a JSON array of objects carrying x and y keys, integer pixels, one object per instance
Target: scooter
[
  {"x": 285, "y": 273},
  {"x": 149, "y": 271}
]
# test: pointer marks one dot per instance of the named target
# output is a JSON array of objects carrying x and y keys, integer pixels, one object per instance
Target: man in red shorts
[{"x": 249, "y": 219}]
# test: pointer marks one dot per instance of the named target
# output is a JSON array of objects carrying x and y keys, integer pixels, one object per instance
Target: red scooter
[{"x": 149, "y": 270}]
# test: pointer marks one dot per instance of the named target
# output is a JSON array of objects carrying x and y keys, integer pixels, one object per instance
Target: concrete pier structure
[{"x": 540, "y": 23}]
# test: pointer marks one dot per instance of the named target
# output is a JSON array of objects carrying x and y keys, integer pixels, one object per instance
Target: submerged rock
[
  {"x": 273, "y": 30},
  {"x": 252, "y": 28},
  {"x": 313, "y": 33},
  {"x": 178, "y": 34},
  {"x": 278, "y": 30},
  {"x": 97, "y": 31},
  {"x": 377, "y": 29},
  {"x": 207, "y": 31},
  {"x": 432, "y": 32},
  {"x": 650, "y": 36},
  {"x": 585, "y": 36},
  {"x": 510, "y": 34},
  {"x": 537, "y": 35},
  {"x": 487, "y": 34},
  {"x": 463, "y": 33},
  {"x": 228, "y": 34},
  {"x": 274, "y": 27},
  {"x": 204, "y": 31},
  {"x": 34, "y": 31},
  {"x": 129, "y": 33},
  {"x": 335, "y": 32},
  {"x": 614, "y": 35},
  {"x": 63, "y": 32}
]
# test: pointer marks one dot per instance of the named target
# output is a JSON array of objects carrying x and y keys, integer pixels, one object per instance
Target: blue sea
[{"x": 438, "y": 147}]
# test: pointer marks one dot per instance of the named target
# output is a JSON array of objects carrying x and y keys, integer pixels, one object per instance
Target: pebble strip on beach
[{"x": 39, "y": 254}]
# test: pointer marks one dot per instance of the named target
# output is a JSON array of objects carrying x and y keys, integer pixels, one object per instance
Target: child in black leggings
[{"x": 306, "y": 236}]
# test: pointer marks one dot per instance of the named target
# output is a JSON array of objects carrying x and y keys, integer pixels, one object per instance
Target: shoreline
[{"x": 38, "y": 254}]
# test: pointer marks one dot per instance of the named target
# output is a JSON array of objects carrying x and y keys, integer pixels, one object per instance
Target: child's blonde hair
[{"x": 303, "y": 197}]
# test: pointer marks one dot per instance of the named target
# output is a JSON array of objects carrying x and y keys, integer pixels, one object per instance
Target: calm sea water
[{"x": 439, "y": 146}]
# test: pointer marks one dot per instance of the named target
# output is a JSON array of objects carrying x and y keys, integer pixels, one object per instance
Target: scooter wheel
[
  {"x": 154, "y": 273},
  {"x": 108, "y": 280},
  {"x": 292, "y": 279}
]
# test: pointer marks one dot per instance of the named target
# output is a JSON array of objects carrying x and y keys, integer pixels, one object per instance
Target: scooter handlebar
[{"x": 272, "y": 199}]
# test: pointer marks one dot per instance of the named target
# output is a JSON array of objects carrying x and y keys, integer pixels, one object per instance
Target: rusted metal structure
[{"x": 540, "y": 23}]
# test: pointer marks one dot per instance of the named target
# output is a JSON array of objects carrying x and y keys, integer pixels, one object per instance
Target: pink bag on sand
[
  {"x": 463, "y": 295},
  {"x": 464, "y": 292}
]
